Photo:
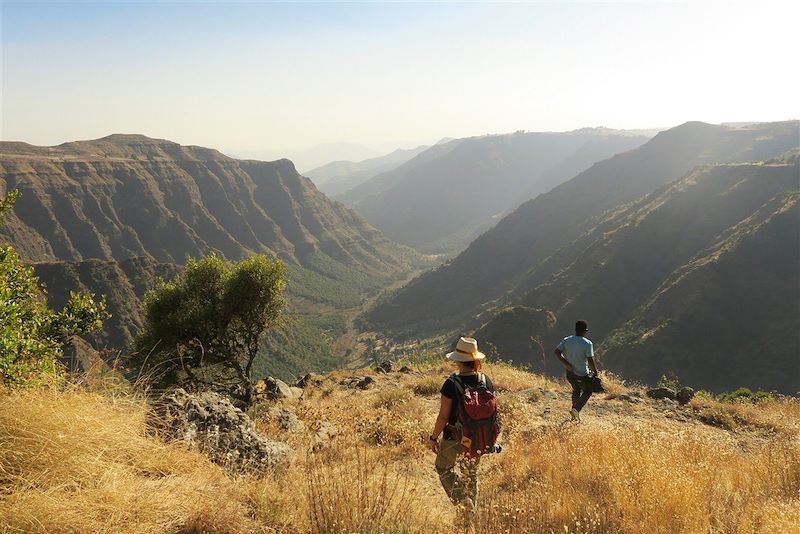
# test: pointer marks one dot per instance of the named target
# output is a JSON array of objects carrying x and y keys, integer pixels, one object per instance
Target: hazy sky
[{"x": 274, "y": 77}]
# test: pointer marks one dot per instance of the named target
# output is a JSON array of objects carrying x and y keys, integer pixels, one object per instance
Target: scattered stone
[
  {"x": 384, "y": 367},
  {"x": 311, "y": 379},
  {"x": 406, "y": 369},
  {"x": 661, "y": 393},
  {"x": 215, "y": 426},
  {"x": 287, "y": 420},
  {"x": 628, "y": 398},
  {"x": 365, "y": 382},
  {"x": 685, "y": 394},
  {"x": 278, "y": 389},
  {"x": 323, "y": 434}
]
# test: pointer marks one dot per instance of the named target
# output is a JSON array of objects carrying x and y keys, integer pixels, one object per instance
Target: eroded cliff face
[
  {"x": 130, "y": 196},
  {"x": 111, "y": 216}
]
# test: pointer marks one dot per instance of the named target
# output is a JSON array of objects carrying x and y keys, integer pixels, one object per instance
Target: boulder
[
  {"x": 273, "y": 388},
  {"x": 685, "y": 394},
  {"x": 311, "y": 379},
  {"x": 384, "y": 367},
  {"x": 324, "y": 432},
  {"x": 406, "y": 369},
  {"x": 365, "y": 382},
  {"x": 288, "y": 420},
  {"x": 215, "y": 426},
  {"x": 661, "y": 393}
]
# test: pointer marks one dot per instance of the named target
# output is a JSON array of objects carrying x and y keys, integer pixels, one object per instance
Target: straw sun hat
[{"x": 466, "y": 351}]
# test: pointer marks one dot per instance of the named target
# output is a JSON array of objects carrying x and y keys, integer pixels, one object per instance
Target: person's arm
[
  {"x": 590, "y": 359},
  {"x": 445, "y": 405},
  {"x": 564, "y": 362}
]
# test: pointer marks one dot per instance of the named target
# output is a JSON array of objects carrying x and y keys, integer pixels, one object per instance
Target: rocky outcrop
[
  {"x": 274, "y": 388},
  {"x": 211, "y": 423},
  {"x": 661, "y": 393},
  {"x": 684, "y": 395}
]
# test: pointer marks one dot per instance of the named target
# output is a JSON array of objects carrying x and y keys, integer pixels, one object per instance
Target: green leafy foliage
[
  {"x": 745, "y": 395},
  {"x": 670, "y": 382},
  {"x": 32, "y": 335},
  {"x": 208, "y": 324}
]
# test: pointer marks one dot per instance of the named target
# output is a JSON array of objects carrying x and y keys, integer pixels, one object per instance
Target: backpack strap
[
  {"x": 458, "y": 383},
  {"x": 482, "y": 379}
]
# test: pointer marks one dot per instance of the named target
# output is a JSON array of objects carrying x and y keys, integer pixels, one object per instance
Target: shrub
[
  {"x": 209, "y": 323},
  {"x": 32, "y": 336},
  {"x": 745, "y": 395}
]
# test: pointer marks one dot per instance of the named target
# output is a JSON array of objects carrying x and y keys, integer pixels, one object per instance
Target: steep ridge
[
  {"x": 126, "y": 196},
  {"x": 113, "y": 214},
  {"x": 703, "y": 273},
  {"x": 339, "y": 176},
  {"x": 439, "y": 203},
  {"x": 122, "y": 283},
  {"x": 515, "y": 255}
]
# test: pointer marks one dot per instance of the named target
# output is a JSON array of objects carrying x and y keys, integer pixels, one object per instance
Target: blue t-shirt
[{"x": 577, "y": 350}]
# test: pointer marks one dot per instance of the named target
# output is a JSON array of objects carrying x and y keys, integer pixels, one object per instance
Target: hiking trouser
[
  {"x": 462, "y": 485},
  {"x": 581, "y": 390}
]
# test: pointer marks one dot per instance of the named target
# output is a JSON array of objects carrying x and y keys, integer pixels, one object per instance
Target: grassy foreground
[{"x": 79, "y": 459}]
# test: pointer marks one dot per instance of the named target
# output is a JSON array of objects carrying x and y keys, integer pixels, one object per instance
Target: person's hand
[{"x": 433, "y": 444}]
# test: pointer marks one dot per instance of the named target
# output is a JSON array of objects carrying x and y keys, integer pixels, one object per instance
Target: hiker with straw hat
[{"x": 468, "y": 423}]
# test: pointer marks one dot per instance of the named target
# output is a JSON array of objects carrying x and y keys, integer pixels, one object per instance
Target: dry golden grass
[
  {"x": 76, "y": 461},
  {"x": 81, "y": 462}
]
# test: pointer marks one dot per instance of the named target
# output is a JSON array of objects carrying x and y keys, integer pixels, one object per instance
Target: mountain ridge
[{"x": 435, "y": 302}]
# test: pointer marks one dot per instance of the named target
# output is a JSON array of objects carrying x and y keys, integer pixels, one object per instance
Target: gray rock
[
  {"x": 273, "y": 388},
  {"x": 215, "y": 426},
  {"x": 406, "y": 369},
  {"x": 311, "y": 379},
  {"x": 661, "y": 393},
  {"x": 384, "y": 367},
  {"x": 287, "y": 420},
  {"x": 323, "y": 434},
  {"x": 628, "y": 398},
  {"x": 685, "y": 394},
  {"x": 365, "y": 382}
]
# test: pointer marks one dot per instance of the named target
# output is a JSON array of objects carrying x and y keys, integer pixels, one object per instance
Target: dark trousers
[{"x": 581, "y": 390}]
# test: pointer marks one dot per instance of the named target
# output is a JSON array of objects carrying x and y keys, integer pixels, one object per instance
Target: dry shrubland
[{"x": 76, "y": 459}]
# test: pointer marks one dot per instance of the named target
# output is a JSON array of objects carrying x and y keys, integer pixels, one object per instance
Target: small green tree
[
  {"x": 209, "y": 323},
  {"x": 32, "y": 336}
]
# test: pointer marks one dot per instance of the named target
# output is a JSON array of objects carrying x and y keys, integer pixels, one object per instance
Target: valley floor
[{"x": 79, "y": 459}]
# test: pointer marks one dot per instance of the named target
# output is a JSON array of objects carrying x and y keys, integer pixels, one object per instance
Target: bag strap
[
  {"x": 482, "y": 379},
  {"x": 459, "y": 384}
]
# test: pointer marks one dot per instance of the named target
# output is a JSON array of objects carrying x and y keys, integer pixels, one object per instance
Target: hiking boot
[{"x": 576, "y": 415}]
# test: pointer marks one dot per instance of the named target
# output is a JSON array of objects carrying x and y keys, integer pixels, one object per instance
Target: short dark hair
[{"x": 581, "y": 327}]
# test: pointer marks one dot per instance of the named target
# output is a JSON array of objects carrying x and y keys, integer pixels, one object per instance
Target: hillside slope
[
  {"x": 361, "y": 465},
  {"x": 89, "y": 208},
  {"x": 439, "y": 201},
  {"x": 339, "y": 176},
  {"x": 509, "y": 259},
  {"x": 703, "y": 273}
]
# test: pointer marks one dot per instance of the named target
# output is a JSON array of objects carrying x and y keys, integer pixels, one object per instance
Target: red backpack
[{"x": 476, "y": 417}]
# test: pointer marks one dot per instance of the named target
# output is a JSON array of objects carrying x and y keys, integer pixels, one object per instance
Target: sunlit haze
[{"x": 268, "y": 79}]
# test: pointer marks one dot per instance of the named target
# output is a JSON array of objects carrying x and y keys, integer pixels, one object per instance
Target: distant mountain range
[
  {"x": 311, "y": 157},
  {"x": 339, "y": 176},
  {"x": 112, "y": 214},
  {"x": 677, "y": 270},
  {"x": 440, "y": 200}
]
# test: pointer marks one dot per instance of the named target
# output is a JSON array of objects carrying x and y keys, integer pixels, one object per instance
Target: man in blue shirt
[{"x": 577, "y": 354}]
